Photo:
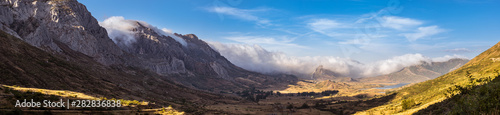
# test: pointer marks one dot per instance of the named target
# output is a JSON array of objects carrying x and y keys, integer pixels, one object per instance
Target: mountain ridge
[{"x": 418, "y": 73}]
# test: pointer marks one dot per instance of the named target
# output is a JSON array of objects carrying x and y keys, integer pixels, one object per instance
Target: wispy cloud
[
  {"x": 399, "y": 23},
  {"x": 458, "y": 50},
  {"x": 448, "y": 57},
  {"x": 423, "y": 32},
  {"x": 242, "y": 14},
  {"x": 324, "y": 24},
  {"x": 265, "y": 40}
]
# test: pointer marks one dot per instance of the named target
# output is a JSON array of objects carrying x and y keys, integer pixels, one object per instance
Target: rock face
[
  {"x": 50, "y": 24},
  {"x": 419, "y": 73},
  {"x": 194, "y": 63},
  {"x": 324, "y": 74},
  {"x": 65, "y": 26}
]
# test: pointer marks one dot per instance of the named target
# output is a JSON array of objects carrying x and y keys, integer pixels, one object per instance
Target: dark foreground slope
[{"x": 24, "y": 65}]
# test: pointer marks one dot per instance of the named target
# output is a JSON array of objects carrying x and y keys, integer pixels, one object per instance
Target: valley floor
[{"x": 351, "y": 98}]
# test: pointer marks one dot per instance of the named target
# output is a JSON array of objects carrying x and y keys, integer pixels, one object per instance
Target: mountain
[
  {"x": 194, "y": 63},
  {"x": 24, "y": 65},
  {"x": 418, "y": 73},
  {"x": 322, "y": 74},
  {"x": 52, "y": 25},
  {"x": 470, "y": 86},
  {"x": 65, "y": 28}
]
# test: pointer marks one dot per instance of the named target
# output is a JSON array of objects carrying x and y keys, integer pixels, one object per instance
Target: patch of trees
[
  {"x": 323, "y": 93},
  {"x": 255, "y": 95}
]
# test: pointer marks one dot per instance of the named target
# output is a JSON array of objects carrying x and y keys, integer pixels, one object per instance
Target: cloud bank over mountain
[
  {"x": 256, "y": 58},
  {"x": 120, "y": 30}
]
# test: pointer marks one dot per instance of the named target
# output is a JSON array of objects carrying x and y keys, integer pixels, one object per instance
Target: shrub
[{"x": 408, "y": 104}]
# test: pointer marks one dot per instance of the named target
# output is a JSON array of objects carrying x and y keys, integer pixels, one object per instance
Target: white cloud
[
  {"x": 120, "y": 30},
  {"x": 423, "y": 32},
  {"x": 458, "y": 50},
  {"x": 324, "y": 24},
  {"x": 256, "y": 58},
  {"x": 399, "y": 23},
  {"x": 242, "y": 14},
  {"x": 448, "y": 57},
  {"x": 166, "y": 30},
  {"x": 332, "y": 28}
]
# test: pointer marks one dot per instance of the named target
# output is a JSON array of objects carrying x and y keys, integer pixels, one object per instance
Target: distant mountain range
[
  {"x": 410, "y": 74},
  {"x": 418, "y": 73}
]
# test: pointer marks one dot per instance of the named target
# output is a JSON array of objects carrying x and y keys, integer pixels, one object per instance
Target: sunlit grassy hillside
[{"x": 419, "y": 96}]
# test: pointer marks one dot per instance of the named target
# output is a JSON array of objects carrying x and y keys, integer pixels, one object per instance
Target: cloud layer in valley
[
  {"x": 120, "y": 30},
  {"x": 256, "y": 58}
]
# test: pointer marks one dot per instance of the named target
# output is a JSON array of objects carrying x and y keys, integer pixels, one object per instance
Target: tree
[
  {"x": 304, "y": 106},
  {"x": 407, "y": 104},
  {"x": 289, "y": 107},
  {"x": 278, "y": 93}
]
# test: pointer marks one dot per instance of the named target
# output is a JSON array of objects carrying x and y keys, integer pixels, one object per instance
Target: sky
[{"x": 360, "y": 31}]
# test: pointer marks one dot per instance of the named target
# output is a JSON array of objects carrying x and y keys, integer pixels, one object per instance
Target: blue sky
[{"x": 361, "y": 30}]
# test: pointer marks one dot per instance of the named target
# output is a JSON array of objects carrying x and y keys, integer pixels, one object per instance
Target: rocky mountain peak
[
  {"x": 58, "y": 25},
  {"x": 322, "y": 73},
  {"x": 192, "y": 36}
]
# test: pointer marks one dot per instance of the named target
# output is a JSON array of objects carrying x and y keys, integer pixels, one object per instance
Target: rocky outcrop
[
  {"x": 194, "y": 63},
  {"x": 324, "y": 74},
  {"x": 48, "y": 24}
]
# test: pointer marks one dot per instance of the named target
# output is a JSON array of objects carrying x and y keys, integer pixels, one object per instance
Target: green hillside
[{"x": 482, "y": 68}]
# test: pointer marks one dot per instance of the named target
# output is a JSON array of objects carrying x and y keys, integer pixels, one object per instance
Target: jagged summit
[
  {"x": 52, "y": 25},
  {"x": 324, "y": 74}
]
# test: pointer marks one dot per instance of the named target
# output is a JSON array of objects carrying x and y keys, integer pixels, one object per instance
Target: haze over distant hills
[
  {"x": 258, "y": 59},
  {"x": 418, "y": 73}
]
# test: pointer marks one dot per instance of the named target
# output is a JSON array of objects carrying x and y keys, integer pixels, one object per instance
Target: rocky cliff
[
  {"x": 192, "y": 61},
  {"x": 53, "y": 24},
  {"x": 324, "y": 74}
]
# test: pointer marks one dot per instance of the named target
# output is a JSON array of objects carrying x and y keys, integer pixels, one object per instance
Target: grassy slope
[
  {"x": 10, "y": 94},
  {"x": 429, "y": 92}
]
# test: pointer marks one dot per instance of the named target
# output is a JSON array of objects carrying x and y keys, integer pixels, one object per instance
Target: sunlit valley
[{"x": 249, "y": 57}]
